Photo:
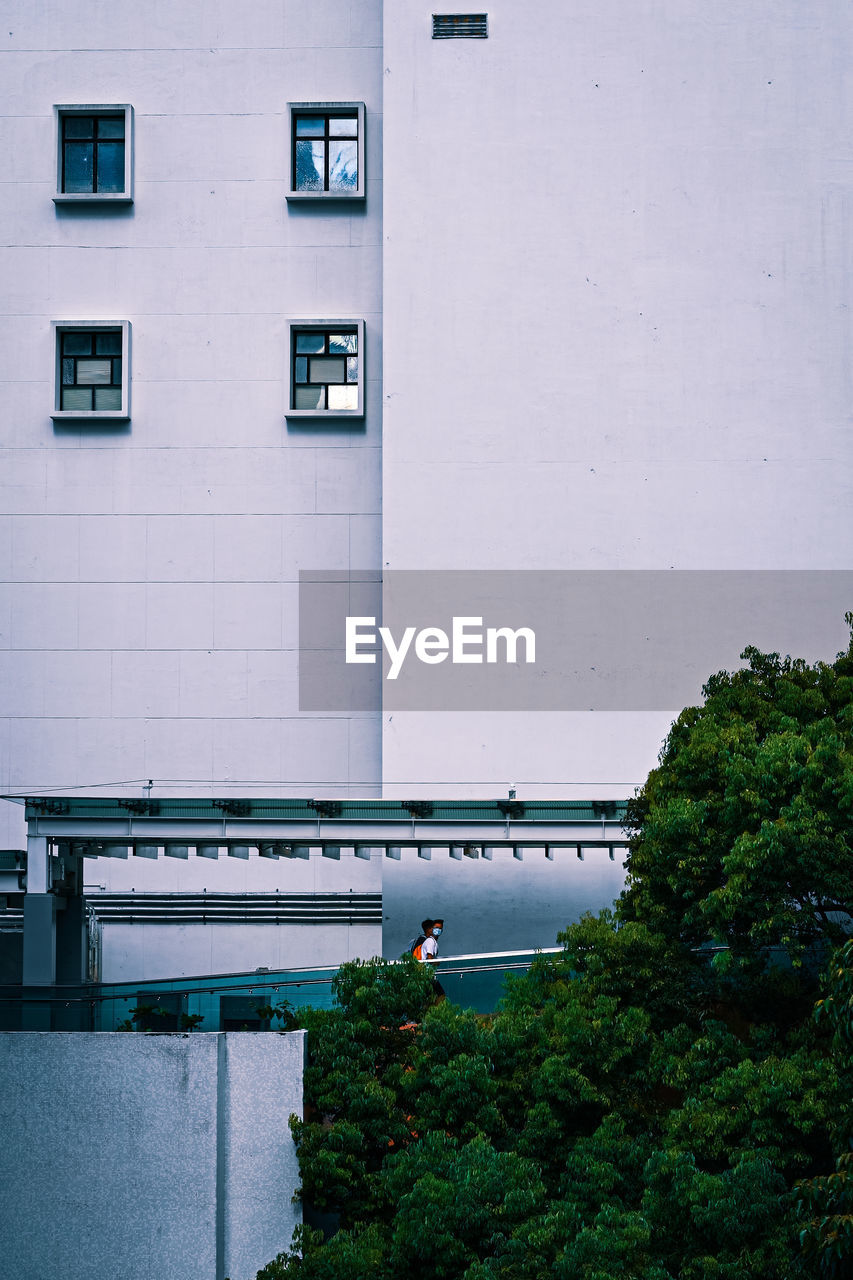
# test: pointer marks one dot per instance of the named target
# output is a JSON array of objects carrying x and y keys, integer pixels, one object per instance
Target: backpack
[{"x": 416, "y": 944}]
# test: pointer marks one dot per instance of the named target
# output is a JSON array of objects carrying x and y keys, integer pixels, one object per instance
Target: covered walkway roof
[{"x": 112, "y": 826}]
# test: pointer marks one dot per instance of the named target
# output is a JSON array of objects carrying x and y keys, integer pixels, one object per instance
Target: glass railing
[{"x": 234, "y": 1001}]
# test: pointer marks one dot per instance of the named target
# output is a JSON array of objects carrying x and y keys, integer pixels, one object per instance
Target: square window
[
  {"x": 326, "y": 369},
  {"x": 92, "y": 380},
  {"x": 94, "y": 147},
  {"x": 326, "y": 151}
]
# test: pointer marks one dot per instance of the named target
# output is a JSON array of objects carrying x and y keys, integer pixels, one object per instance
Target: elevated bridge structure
[{"x": 329, "y": 852}]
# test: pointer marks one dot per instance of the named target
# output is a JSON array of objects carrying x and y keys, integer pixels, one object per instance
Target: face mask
[{"x": 436, "y": 932}]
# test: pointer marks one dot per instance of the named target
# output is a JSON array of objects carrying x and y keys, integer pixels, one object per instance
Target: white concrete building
[
  {"x": 570, "y": 296},
  {"x": 150, "y": 565}
]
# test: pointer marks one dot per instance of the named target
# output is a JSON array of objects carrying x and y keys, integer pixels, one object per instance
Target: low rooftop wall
[{"x": 150, "y": 1157}]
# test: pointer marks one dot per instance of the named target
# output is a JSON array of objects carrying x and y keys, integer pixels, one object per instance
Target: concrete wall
[
  {"x": 617, "y": 311},
  {"x": 148, "y": 617},
  {"x": 147, "y": 1156},
  {"x": 141, "y": 951}
]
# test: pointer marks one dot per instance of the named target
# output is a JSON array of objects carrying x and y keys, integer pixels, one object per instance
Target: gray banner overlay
[{"x": 612, "y": 640}]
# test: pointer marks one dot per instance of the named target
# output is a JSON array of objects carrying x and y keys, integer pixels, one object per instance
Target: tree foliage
[
  {"x": 742, "y": 835},
  {"x": 638, "y": 1106}
]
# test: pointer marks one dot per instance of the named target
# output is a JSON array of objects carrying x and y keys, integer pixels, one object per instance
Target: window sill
[
  {"x": 93, "y": 415},
  {"x": 92, "y": 197},
  {"x": 325, "y": 195},
  {"x": 331, "y": 414}
]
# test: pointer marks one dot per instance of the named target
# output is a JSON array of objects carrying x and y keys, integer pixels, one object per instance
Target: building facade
[
  {"x": 151, "y": 564},
  {"x": 303, "y": 287}
]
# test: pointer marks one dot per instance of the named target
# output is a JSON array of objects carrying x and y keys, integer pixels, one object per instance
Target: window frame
[
  {"x": 63, "y": 110},
  {"x": 58, "y": 328},
  {"x": 327, "y": 109},
  {"x": 325, "y": 326}
]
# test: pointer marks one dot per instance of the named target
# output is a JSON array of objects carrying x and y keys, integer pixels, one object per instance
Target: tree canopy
[{"x": 664, "y": 1099}]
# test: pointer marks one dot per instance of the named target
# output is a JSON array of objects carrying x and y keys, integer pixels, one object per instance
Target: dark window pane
[
  {"x": 343, "y": 397},
  {"x": 108, "y": 398},
  {"x": 76, "y": 398},
  {"x": 116, "y": 373},
  {"x": 310, "y": 341},
  {"x": 78, "y": 126},
  {"x": 92, "y": 371},
  {"x": 328, "y": 369},
  {"x": 310, "y": 126},
  {"x": 352, "y": 368},
  {"x": 343, "y": 166},
  {"x": 111, "y": 166},
  {"x": 301, "y": 368},
  {"x": 110, "y": 126},
  {"x": 310, "y": 163},
  {"x": 78, "y": 166},
  {"x": 68, "y": 373},
  {"x": 108, "y": 344},
  {"x": 343, "y": 127},
  {"x": 77, "y": 344},
  {"x": 346, "y": 342},
  {"x": 309, "y": 397}
]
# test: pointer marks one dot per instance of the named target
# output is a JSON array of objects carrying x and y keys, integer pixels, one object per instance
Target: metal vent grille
[{"x": 460, "y": 26}]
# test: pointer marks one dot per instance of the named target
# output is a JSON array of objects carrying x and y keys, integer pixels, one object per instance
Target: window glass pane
[
  {"x": 78, "y": 166},
  {"x": 352, "y": 368},
  {"x": 91, "y": 371},
  {"x": 301, "y": 368},
  {"x": 76, "y": 398},
  {"x": 68, "y": 373},
  {"x": 308, "y": 397},
  {"x": 108, "y": 344},
  {"x": 111, "y": 166},
  {"x": 78, "y": 126},
  {"x": 343, "y": 397},
  {"x": 310, "y": 126},
  {"x": 108, "y": 398},
  {"x": 328, "y": 369},
  {"x": 343, "y": 342},
  {"x": 110, "y": 126},
  {"x": 310, "y": 341},
  {"x": 343, "y": 166},
  {"x": 77, "y": 344},
  {"x": 310, "y": 165},
  {"x": 116, "y": 373},
  {"x": 343, "y": 126}
]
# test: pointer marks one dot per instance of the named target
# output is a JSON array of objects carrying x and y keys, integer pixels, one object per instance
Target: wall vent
[{"x": 460, "y": 26}]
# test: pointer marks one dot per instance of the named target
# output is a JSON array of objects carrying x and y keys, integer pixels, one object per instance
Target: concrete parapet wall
[{"x": 152, "y": 1157}]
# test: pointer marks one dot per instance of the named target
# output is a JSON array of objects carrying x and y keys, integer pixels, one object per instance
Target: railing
[{"x": 209, "y": 1002}]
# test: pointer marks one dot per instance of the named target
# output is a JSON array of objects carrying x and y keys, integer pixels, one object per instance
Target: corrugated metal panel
[
  {"x": 348, "y": 811},
  {"x": 460, "y": 26},
  {"x": 237, "y": 908}
]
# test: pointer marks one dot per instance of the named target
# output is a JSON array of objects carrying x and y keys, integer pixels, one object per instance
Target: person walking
[{"x": 425, "y": 947}]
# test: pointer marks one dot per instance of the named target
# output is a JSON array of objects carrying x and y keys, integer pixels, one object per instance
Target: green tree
[
  {"x": 631, "y": 1109},
  {"x": 825, "y": 1202},
  {"x": 742, "y": 835}
]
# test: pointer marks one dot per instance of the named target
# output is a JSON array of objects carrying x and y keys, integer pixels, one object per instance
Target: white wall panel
[
  {"x": 113, "y": 617},
  {"x": 179, "y": 615},
  {"x": 247, "y": 615},
  {"x": 45, "y": 548},
  {"x": 617, "y": 280},
  {"x": 179, "y": 548},
  {"x": 155, "y": 554},
  {"x": 216, "y": 677},
  {"x": 144, "y": 683}
]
